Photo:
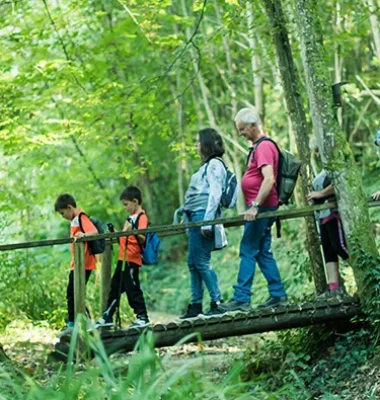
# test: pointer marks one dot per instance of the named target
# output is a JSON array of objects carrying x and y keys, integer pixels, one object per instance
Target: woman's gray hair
[{"x": 248, "y": 115}]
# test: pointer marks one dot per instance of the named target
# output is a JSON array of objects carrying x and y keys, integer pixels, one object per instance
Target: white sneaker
[
  {"x": 103, "y": 322},
  {"x": 140, "y": 323},
  {"x": 68, "y": 330}
]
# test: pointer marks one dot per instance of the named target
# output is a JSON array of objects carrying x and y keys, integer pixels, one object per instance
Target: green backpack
[{"x": 288, "y": 171}]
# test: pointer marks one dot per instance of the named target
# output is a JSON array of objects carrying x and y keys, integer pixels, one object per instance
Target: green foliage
[
  {"x": 96, "y": 95},
  {"x": 145, "y": 376},
  {"x": 313, "y": 362}
]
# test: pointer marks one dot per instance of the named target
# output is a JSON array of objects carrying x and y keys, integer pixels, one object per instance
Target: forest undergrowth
[{"x": 308, "y": 363}]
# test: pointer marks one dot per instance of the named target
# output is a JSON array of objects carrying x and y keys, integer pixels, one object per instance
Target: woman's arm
[{"x": 216, "y": 177}]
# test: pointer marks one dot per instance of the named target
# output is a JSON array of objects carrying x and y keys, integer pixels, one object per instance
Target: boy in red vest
[{"x": 80, "y": 226}]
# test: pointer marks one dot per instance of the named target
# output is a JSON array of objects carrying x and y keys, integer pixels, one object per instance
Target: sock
[{"x": 334, "y": 286}]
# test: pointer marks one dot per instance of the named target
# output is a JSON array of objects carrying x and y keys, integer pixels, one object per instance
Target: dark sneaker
[
  {"x": 274, "y": 302},
  {"x": 142, "y": 321},
  {"x": 214, "y": 309},
  {"x": 104, "y": 321},
  {"x": 235, "y": 306},
  {"x": 193, "y": 311}
]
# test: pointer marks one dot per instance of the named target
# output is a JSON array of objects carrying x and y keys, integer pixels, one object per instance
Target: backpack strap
[
  {"x": 135, "y": 225},
  {"x": 278, "y": 180},
  {"x": 208, "y": 162},
  {"x": 253, "y": 148},
  {"x": 80, "y": 220}
]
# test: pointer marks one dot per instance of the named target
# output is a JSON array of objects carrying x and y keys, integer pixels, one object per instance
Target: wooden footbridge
[{"x": 336, "y": 311}]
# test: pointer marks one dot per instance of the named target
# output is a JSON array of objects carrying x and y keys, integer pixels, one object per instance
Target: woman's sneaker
[
  {"x": 273, "y": 302},
  {"x": 142, "y": 321},
  {"x": 215, "y": 309},
  {"x": 234, "y": 305},
  {"x": 193, "y": 311}
]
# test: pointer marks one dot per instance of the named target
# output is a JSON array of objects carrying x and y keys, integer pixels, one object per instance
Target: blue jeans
[
  {"x": 255, "y": 247},
  {"x": 198, "y": 260}
]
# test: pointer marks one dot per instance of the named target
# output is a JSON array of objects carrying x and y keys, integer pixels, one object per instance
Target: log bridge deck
[{"x": 236, "y": 324}]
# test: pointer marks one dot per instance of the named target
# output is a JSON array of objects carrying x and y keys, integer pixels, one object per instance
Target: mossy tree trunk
[
  {"x": 292, "y": 88},
  {"x": 337, "y": 157}
]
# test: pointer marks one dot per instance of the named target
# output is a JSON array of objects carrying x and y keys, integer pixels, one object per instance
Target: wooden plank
[
  {"x": 105, "y": 276},
  {"x": 295, "y": 318}
]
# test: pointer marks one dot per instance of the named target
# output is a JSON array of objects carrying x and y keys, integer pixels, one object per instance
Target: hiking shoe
[
  {"x": 336, "y": 294},
  {"x": 67, "y": 330},
  {"x": 141, "y": 322},
  {"x": 193, "y": 311},
  {"x": 104, "y": 321},
  {"x": 234, "y": 305},
  {"x": 274, "y": 302},
  {"x": 339, "y": 293},
  {"x": 214, "y": 309}
]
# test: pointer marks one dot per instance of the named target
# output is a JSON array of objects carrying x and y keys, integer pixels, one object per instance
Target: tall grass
[{"x": 145, "y": 376}]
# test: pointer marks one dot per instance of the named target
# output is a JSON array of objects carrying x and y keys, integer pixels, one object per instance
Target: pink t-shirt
[{"x": 265, "y": 154}]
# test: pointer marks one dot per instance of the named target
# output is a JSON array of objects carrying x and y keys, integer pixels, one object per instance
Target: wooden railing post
[
  {"x": 105, "y": 275},
  {"x": 79, "y": 279}
]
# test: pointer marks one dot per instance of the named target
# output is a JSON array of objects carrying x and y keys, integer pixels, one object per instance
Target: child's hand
[
  {"x": 313, "y": 196},
  {"x": 78, "y": 235}
]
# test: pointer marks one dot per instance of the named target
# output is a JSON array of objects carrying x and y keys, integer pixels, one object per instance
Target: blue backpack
[{"x": 151, "y": 247}]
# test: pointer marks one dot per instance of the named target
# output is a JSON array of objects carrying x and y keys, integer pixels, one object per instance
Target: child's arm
[
  {"x": 140, "y": 238},
  {"x": 143, "y": 224},
  {"x": 88, "y": 227}
]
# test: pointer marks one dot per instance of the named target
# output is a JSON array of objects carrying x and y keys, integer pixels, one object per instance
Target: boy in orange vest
[
  {"x": 126, "y": 276},
  {"x": 80, "y": 226}
]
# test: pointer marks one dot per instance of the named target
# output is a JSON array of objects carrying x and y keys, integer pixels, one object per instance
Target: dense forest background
[{"x": 96, "y": 95}]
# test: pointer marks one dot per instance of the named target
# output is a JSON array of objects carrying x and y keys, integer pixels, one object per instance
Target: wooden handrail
[{"x": 166, "y": 230}]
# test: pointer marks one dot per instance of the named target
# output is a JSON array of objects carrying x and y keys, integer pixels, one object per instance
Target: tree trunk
[
  {"x": 296, "y": 110},
  {"x": 375, "y": 26},
  {"x": 337, "y": 58},
  {"x": 337, "y": 158},
  {"x": 258, "y": 84},
  {"x": 3, "y": 356},
  {"x": 231, "y": 154},
  {"x": 180, "y": 134}
]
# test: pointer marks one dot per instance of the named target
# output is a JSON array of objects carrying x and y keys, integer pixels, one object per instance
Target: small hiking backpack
[
  {"x": 231, "y": 187},
  {"x": 151, "y": 247},
  {"x": 288, "y": 171},
  {"x": 95, "y": 246}
]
